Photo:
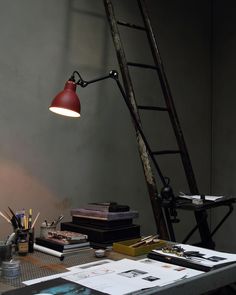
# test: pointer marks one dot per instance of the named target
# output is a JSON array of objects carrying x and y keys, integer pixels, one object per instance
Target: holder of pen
[
  {"x": 5, "y": 252},
  {"x": 45, "y": 229}
]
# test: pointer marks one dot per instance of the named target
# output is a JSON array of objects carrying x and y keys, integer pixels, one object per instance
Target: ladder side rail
[
  {"x": 169, "y": 100},
  {"x": 149, "y": 177},
  {"x": 201, "y": 217}
]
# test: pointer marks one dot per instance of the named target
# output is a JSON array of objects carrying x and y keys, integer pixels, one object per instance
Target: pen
[
  {"x": 26, "y": 222},
  {"x": 30, "y": 219},
  {"x": 58, "y": 220}
]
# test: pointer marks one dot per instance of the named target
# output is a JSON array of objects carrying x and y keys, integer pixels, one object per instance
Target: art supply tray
[{"x": 125, "y": 247}]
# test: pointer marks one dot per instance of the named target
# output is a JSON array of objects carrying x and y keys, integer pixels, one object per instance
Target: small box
[
  {"x": 124, "y": 247},
  {"x": 44, "y": 229}
]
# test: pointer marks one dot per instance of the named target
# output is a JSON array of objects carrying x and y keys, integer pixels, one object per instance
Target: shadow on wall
[
  {"x": 21, "y": 190},
  {"x": 48, "y": 163}
]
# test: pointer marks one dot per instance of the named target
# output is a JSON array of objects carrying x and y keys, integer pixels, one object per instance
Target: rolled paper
[{"x": 48, "y": 251}]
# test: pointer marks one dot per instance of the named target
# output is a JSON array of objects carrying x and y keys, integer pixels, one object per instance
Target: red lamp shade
[{"x": 67, "y": 102}]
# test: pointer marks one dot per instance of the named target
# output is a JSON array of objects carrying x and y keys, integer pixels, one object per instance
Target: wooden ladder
[{"x": 162, "y": 213}]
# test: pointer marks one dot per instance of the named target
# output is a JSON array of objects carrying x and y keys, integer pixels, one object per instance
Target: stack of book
[
  {"x": 64, "y": 241},
  {"x": 104, "y": 223}
]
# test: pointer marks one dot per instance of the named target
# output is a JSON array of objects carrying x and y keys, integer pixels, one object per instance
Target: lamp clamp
[{"x": 169, "y": 201}]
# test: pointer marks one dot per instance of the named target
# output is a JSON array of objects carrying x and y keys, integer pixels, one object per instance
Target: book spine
[
  {"x": 97, "y": 207},
  {"x": 106, "y": 224},
  {"x": 103, "y": 215},
  {"x": 59, "y": 247},
  {"x": 112, "y": 207},
  {"x": 99, "y": 235},
  {"x": 52, "y": 246},
  {"x": 68, "y": 251}
]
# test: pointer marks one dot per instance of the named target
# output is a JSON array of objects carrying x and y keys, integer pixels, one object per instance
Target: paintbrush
[{"x": 15, "y": 221}]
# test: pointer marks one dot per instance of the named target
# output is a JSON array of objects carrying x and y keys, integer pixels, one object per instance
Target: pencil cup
[
  {"x": 5, "y": 252},
  {"x": 45, "y": 229}
]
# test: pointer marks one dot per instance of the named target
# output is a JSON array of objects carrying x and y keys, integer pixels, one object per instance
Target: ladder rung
[
  {"x": 135, "y": 64},
  {"x": 152, "y": 108},
  {"x": 133, "y": 26},
  {"x": 166, "y": 152}
]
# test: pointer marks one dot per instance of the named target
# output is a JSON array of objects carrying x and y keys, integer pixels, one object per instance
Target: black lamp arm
[
  {"x": 114, "y": 75},
  {"x": 83, "y": 83}
]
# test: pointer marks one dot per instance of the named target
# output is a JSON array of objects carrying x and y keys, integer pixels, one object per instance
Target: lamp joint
[
  {"x": 113, "y": 74},
  {"x": 82, "y": 83}
]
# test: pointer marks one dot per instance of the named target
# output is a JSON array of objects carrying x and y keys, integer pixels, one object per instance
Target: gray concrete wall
[
  {"x": 224, "y": 140},
  {"x": 52, "y": 164}
]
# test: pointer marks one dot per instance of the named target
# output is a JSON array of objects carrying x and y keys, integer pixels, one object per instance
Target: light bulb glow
[{"x": 64, "y": 112}]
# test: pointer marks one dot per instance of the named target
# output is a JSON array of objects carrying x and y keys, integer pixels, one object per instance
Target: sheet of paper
[
  {"x": 124, "y": 276},
  {"x": 90, "y": 264},
  {"x": 198, "y": 197},
  {"x": 43, "y": 279},
  {"x": 72, "y": 269},
  {"x": 186, "y": 272}
]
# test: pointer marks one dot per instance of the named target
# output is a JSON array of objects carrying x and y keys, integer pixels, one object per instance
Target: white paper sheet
[
  {"x": 186, "y": 272},
  {"x": 44, "y": 279},
  {"x": 90, "y": 264},
  {"x": 71, "y": 269},
  {"x": 198, "y": 197},
  {"x": 124, "y": 276}
]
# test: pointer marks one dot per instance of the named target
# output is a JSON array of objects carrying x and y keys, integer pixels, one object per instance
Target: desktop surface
[{"x": 38, "y": 264}]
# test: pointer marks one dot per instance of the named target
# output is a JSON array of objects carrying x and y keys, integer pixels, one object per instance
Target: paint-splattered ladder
[{"x": 164, "y": 210}]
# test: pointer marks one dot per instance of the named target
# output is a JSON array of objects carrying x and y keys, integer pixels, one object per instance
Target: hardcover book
[
  {"x": 58, "y": 245},
  {"x": 54, "y": 286},
  {"x": 67, "y": 237},
  {"x": 104, "y": 235},
  {"x": 108, "y": 224},
  {"x": 107, "y": 207},
  {"x": 104, "y": 215}
]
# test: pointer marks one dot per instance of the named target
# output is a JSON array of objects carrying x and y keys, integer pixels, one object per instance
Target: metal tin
[{"x": 11, "y": 269}]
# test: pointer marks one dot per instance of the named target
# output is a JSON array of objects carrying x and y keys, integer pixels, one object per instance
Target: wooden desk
[{"x": 38, "y": 264}]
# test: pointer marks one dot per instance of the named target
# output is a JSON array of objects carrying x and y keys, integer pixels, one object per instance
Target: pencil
[
  {"x": 33, "y": 224},
  {"x": 30, "y": 219},
  {"x": 6, "y": 214},
  {"x": 7, "y": 219}
]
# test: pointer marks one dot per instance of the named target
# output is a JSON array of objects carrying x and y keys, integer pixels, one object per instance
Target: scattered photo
[
  {"x": 151, "y": 278},
  {"x": 167, "y": 266},
  {"x": 180, "y": 268},
  {"x": 133, "y": 273},
  {"x": 148, "y": 261},
  {"x": 216, "y": 258}
]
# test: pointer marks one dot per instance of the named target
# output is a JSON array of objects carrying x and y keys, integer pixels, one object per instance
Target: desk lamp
[{"x": 67, "y": 103}]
